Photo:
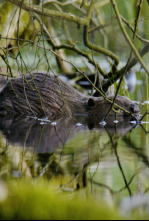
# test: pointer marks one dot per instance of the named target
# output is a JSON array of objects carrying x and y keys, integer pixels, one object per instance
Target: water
[
  {"x": 75, "y": 146},
  {"x": 108, "y": 161}
]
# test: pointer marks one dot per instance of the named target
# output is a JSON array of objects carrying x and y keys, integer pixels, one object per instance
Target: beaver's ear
[{"x": 90, "y": 103}]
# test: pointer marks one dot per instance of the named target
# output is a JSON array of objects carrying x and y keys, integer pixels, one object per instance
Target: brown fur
[{"x": 43, "y": 95}]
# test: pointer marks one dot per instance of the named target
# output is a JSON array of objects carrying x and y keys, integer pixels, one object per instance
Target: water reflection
[
  {"x": 46, "y": 136},
  {"x": 78, "y": 152}
]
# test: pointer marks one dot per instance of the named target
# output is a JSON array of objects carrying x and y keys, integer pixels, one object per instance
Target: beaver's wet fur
[{"x": 42, "y": 95}]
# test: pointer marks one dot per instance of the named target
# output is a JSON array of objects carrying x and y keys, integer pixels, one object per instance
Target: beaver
[{"x": 46, "y": 96}]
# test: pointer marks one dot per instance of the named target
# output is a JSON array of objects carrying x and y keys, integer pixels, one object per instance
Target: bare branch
[
  {"x": 113, "y": 78},
  {"x": 50, "y": 13},
  {"x": 59, "y": 3},
  {"x": 127, "y": 36},
  {"x": 82, "y": 53},
  {"x": 137, "y": 35},
  {"x": 98, "y": 48}
]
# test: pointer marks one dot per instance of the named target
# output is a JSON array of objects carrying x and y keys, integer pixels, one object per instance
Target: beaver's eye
[
  {"x": 131, "y": 109},
  {"x": 91, "y": 103}
]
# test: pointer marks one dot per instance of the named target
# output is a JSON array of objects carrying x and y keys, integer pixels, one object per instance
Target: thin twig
[
  {"x": 50, "y": 13},
  {"x": 112, "y": 78},
  {"x": 59, "y": 3},
  {"x": 113, "y": 2},
  {"x": 127, "y": 65},
  {"x": 132, "y": 29},
  {"x": 119, "y": 164}
]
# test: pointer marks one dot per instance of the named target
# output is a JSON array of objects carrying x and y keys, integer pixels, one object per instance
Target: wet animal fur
[{"x": 42, "y": 95}]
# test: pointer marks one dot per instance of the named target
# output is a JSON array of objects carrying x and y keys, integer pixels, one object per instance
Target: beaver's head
[{"x": 101, "y": 106}]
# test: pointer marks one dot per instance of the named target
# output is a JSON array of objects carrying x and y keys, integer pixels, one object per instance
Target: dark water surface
[{"x": 110, "y": 161}]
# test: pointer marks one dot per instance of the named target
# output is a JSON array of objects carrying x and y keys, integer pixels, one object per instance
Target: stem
[{"x": 127, "y": 36}]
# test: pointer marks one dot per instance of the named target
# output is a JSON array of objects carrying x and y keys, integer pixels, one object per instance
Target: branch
[
  {"x": 93, "y": 46},
  {"x": 98, "y": 48},
  {"x": 100, "y": 92},
  {"x": 132, "y": 29},
  {"x": 5, "y": 75},
  {"x": 114, "y": 145},
  {"x": 127, "y": 36},
  {"x": 82, "y": 21},
  {"x": 137, "y": 19},
  {"x": 82, "y": 53},
  {"x": 5, "y": 59},
  {"x": 59, "y": 3},
  {"x": 50, "y": 13},
  {"x": 101, "y": 26},
  {"x": 127, "y": 65},
  {"x": 54, "y": 42},
  {"x": 113, "y": 78},
  {"x": 82, "y": 4},
  {"x": 98, "y": 27}
]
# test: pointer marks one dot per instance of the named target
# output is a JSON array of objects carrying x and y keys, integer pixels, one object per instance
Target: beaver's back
[
  {"x": 39, "y": 95},
  {"x": 42, "y": 95}
]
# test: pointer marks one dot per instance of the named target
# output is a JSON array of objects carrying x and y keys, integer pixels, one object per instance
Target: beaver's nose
[{"x": 134, "y": 109}]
